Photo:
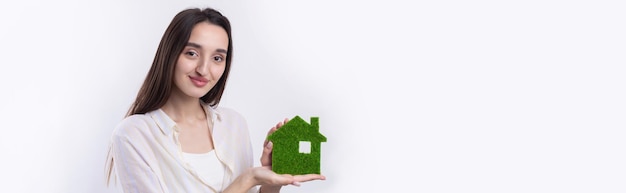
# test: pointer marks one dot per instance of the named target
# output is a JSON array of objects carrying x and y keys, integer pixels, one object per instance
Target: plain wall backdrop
[{"x": 413, "y": 96}]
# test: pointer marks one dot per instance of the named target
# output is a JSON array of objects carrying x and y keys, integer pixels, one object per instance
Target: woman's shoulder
[
  {"x": 226, "y": 110},
  {"x": 229, "y": 113},
  {"x": 133, "y": 124}
]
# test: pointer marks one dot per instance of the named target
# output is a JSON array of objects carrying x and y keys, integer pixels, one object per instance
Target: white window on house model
[{"x": 305, "y": 147}]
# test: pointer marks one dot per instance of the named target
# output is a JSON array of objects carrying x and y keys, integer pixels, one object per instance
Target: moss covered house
[{"x": 297, "y": 147}]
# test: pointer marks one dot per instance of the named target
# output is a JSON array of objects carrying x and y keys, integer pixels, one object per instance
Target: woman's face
[{"x": 202, "y": 61}]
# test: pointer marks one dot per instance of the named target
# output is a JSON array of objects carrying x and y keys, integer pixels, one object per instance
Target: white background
[{"x": 413, "y": 96}]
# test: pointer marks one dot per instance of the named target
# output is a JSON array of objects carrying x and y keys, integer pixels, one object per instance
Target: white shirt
[
  {"x": 209, "y": 168},
  {"x": 147, "y": 157}
]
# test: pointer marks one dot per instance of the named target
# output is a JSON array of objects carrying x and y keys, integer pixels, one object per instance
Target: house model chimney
[{"x": 315, "y": 122}]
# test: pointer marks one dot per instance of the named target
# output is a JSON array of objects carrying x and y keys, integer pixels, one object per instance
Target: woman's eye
[
  {"x": 218, "y": 58},
  {"x": 190, "y": 53}
]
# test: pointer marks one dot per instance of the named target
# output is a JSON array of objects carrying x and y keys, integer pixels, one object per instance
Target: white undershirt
[{"x": 208, "y": 167}]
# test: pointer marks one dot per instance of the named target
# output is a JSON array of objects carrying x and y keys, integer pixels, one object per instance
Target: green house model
[{"x": 297, "y": 147}]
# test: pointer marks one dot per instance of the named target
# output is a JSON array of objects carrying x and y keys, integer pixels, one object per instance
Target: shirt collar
[
  {"x": 213, "y": 111},
  {"x": 168, "y": 126},
  {"x": 165, "y": 123}
]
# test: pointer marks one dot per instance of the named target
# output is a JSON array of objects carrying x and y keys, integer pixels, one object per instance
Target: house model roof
[{"x": 297, "y": 147}]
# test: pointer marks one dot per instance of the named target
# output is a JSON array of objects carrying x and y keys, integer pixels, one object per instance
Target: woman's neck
[{"x": 183, "y": 108}]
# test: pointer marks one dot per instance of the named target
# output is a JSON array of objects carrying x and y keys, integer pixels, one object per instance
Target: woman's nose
[{"x": 203, "y": 67}]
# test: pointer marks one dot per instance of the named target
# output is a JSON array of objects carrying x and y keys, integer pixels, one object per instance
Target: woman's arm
[
  {"x": 259, "y": 176},
  {"x": 269, "y": 181},
  {"x": 135, "y": 175}
]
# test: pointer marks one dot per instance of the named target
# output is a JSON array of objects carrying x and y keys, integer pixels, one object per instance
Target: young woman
[{"x": 175, "y": 138}]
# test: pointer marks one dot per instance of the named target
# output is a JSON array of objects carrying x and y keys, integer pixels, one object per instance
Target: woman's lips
[{"x": 199, "y": 81}]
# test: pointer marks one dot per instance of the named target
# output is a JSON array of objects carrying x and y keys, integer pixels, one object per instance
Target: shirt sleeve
[
  {"x": 254, "y": 189},
  {"x": 134, "y": 173}
]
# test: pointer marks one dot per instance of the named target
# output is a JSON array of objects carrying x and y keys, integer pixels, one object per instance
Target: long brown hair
[{"x": 157, "y": 86}]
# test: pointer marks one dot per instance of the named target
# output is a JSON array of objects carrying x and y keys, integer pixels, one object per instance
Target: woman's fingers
[
  {"x": 273, "y": 129},
  {"x": 280, "y": 124},
  {"x": 309, "y": 177},
  {"x": 266, "y": 157},
  {"x": 265, "y": 176}
]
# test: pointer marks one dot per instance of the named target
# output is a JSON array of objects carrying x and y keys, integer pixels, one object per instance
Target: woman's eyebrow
[
  {"x": 198, "y": 46},
  {"x": 221, "y": 51}
]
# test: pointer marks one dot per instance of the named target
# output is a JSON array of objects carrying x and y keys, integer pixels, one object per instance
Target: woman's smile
[{"x": 199, "y": 81}]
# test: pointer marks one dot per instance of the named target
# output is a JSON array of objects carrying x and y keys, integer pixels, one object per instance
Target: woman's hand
[
  {"x": 266, "y": 160},
  {"x": 266, "y": 157},
  {"x": 270, "y": 181},
  {"x": 264, "y": 176}
]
